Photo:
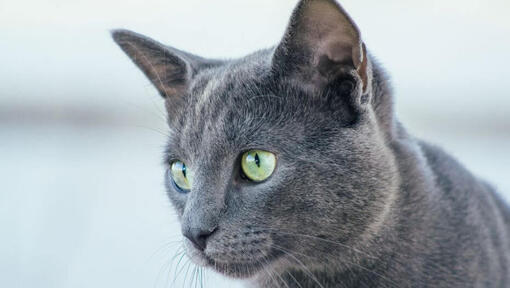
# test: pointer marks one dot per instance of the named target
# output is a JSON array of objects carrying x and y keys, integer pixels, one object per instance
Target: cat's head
[{"x": 278, "y": 158}]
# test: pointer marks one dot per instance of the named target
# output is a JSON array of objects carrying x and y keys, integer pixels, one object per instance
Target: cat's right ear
[{"x": 170, "y": 70}]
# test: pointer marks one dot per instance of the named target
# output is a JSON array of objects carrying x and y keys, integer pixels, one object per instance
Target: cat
[{"x": 289, "y": 168}]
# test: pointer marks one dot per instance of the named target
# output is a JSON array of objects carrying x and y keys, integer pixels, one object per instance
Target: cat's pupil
[
  {"x": 257, "y": 160},
  {"x": 184, "y": 170}
]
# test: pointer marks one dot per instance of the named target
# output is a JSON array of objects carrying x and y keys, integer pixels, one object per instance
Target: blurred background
[{"x": 82, "y": 202}]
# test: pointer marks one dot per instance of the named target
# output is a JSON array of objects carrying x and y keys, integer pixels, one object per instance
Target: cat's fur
[{"x": 355, "y": 201}]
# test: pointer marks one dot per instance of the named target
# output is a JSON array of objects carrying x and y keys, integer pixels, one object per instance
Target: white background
[{"x": 82, "y": 202}]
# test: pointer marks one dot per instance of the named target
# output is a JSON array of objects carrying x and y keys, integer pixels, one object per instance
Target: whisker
[
  {"x": 292, "y": 276},
  {"x": 180, "y": 253},
  {"x": 193, "y": 277},
  {"x": 186, "y": 275},
  {"x": 348, "y": 262},
  {"x": 159, "y": 113},
  {"x": 166, "y": 266},
  {"x": 277, "y": 274},
  {"x": 307, "y": 271},
  {"x": 282, "y": 232},
  {"x": 152, "y": 129},
  {"x": 271, "y": 277},
  {"x": 202, "y": 277},
  {"x": 176, "y": 274},
  {"x": 162, "y": 247}
]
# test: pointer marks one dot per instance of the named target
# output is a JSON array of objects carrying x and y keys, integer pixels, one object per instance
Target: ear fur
[
  {"x": 321, "y": 42},
  {"x": 170, "y": 70}
]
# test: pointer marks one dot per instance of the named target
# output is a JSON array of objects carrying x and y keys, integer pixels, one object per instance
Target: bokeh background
[{"x": 82, "y": 131}]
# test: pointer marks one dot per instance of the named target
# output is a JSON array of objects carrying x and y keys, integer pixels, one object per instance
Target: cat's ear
[
  {"x": 320, "y": 43},
  {"x": 169, "y": 69}
]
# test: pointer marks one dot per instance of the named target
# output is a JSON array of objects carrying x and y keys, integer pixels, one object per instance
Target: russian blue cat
[{"x": 288, "y": 167}]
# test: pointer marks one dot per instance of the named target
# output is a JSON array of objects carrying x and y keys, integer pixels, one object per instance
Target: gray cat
[{"x": 289, "y": 168}]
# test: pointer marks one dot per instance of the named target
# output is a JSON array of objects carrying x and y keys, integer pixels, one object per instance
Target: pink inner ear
[
  {"x": 363, "y": 67},
  {"x": 332, "y": 32},
  {"x": 341, "y": 50},
  {"x": 337, "y": 51}
]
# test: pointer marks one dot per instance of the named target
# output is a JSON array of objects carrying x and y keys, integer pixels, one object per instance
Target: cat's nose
[{"x": 198, "y": 237}]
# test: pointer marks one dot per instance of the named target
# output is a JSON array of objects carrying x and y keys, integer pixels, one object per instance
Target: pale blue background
[{"x": 81, "y": 130}]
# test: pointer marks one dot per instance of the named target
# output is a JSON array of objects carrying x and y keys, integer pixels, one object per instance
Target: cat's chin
[
  {"x": 240, "y": 270},
  {"x": 236, "y": 270}
]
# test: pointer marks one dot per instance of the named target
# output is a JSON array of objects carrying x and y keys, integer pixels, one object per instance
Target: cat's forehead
[
  {"x": 228, "y": 89},
  {"x": 242, "y": 77},
  {"x": 227, "y": 108}
]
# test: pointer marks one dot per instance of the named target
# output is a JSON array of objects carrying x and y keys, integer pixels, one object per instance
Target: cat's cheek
[
  {"x": 178, "y": 200},
  {"x": 179, "y": 207}
]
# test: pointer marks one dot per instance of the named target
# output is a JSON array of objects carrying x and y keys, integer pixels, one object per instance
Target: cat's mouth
[
  {"x": 236, "y": 253},
  {"x": 232, "y": 265}
]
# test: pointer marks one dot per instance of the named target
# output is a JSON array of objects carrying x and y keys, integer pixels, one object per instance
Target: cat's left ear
[{"x": 321, "y": 43}]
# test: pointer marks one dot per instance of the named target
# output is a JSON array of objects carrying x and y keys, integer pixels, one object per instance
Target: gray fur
[{"x": 355, "y": 201}]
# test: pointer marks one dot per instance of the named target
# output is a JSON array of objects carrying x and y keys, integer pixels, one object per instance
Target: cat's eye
[
  {"x": 258, "y": 165},
  {"x": 181, "y": 176}
]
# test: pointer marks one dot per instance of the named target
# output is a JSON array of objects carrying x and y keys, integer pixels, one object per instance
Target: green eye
[
  {"x": 258, "y": 165},
  {"x": 181, "y": 176}
]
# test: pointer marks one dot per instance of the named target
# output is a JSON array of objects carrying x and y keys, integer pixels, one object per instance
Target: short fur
[{"x": 355, "y": 201}]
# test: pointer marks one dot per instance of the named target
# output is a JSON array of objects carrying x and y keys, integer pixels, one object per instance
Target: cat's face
[{"x": 303, "y": 111}]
